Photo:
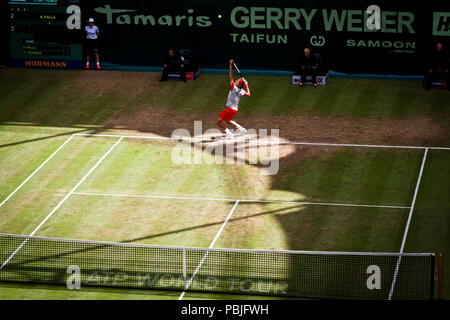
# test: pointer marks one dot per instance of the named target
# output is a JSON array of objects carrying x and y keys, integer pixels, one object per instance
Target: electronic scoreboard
[{"x": 42, "y": 36}]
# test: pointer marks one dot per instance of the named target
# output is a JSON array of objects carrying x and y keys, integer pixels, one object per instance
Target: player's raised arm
[
  {"x": 231, "y": 71},
  {"x": 247, "y": 89}
]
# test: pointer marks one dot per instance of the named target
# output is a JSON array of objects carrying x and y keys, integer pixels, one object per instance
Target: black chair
[
  {"x": 189, "y": 60},
  {"x": 321, "y": 66},
  {"x": 322, "y": 71},
  {"x": 191, "y": 65},
  {"x": 437, "y": 79}
]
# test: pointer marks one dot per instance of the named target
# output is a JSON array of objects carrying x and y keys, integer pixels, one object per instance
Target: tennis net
[{"x": 349, "y": 275}]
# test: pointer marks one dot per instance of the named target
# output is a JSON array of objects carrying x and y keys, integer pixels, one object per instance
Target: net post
[
  {"x": 440, "y": 267},
  {"x": 184, "y": 267}
]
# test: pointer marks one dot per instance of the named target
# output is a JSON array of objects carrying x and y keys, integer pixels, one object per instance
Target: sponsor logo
[
  {"x": 317, "y": 41},
  {"x": 46, "y": 64},
  {"x": 265, "y": 25},
  {"x": 381, "y": 44},
  {"x": 441, "y": 24},
  {"x": 128, "y": 17},
  {"x": 394, "y": 46}
]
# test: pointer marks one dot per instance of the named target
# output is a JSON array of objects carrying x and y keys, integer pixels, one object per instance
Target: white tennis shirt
[
  {"x": 91, "y": 32},
  {"x": 234, "y": 96}
]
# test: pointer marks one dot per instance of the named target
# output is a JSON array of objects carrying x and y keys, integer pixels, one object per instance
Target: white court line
[
  {"x": 240, "y": 200},
  {"x": 207, "y": 252},
  {"x": 35, "y": 171},
  {"x": 363, "y": 145},
  {"x": 139, "y": 137},
  {"x": 63, "y": 200},
  {"x": 277, "y": 143},
  {"x": 391, "y": 291}
]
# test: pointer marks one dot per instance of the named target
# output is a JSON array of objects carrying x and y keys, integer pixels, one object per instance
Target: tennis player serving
[{"x": 236, "y": 92}]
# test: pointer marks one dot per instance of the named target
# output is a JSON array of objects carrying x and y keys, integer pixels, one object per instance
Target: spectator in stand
[
  {"x": 173, "y": 62},
  {"x": 437, "y": 67},
  {"x": 308, "y": 67}
]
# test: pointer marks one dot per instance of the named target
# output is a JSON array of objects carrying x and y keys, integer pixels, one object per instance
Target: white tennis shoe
[
  {"x": 227, "y": 136},
  {"x": 241, "y": 131}
]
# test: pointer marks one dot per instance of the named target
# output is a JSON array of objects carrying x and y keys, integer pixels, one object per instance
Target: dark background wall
[
  {"x": 396, "y": 49},
  {"x": 274, "y": 36},
  {"x": 4, "y": 32}
]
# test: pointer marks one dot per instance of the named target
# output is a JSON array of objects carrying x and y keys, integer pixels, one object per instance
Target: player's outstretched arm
[{"x": 231, "y": 71}]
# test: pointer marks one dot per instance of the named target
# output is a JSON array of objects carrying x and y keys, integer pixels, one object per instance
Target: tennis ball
[{"x": 219, "y": 16}]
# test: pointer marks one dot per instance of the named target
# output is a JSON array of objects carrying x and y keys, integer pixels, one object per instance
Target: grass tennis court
[{"x": 332, "y": 198}]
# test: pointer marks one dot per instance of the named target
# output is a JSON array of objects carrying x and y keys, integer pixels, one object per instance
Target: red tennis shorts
[{"x": 227, "y": 114}]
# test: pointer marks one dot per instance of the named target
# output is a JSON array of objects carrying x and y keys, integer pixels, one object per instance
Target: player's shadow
[{"x": 233, "y": 151}]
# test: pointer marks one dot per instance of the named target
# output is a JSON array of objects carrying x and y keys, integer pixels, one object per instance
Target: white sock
[
  {"x": 227, "y": 131},
  {"x": 87, "y": 63},
  {"x": 239, "y": 127},
  {"x": 98, "y": 63}
]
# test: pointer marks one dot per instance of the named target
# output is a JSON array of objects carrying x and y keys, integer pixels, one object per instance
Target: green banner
[{"x": 383, "y": 37}]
